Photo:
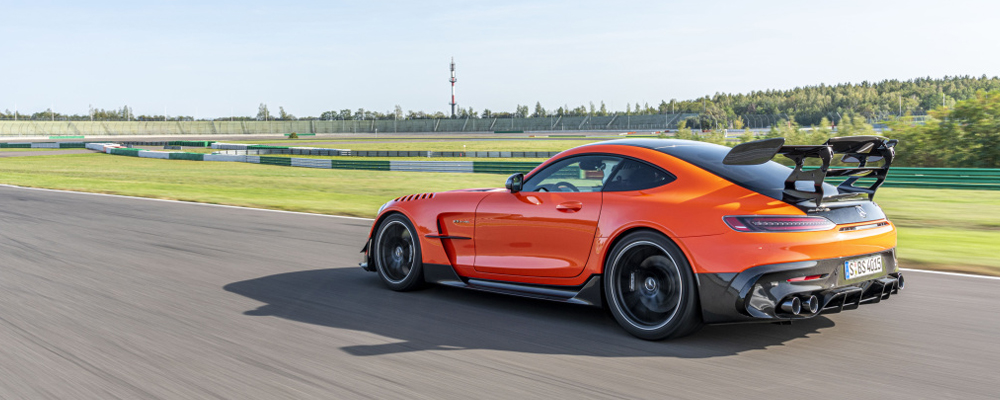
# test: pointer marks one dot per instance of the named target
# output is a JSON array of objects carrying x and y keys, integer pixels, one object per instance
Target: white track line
[
  {"x": 951, "y": 274},
  {"x": 369, "y": 219},
  {"x": 186, "y": 202}
]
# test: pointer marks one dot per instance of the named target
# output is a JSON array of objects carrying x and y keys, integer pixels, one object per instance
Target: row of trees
[
  {"x": 95, "y": 114},
  {"x": 879, "y": 100},
  {"x": 809, "y": 105},
  {"x": 966, "y": 135},
  {"x": 963, "y": 135}
]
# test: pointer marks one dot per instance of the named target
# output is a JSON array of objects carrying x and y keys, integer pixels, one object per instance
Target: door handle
[{"x": 570, "y": 206}]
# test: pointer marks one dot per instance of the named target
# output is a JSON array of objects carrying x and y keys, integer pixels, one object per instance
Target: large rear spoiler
[{"x": 855, "y": 149}]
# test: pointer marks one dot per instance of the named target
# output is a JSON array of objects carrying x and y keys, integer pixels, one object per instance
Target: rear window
[{"x": 633, "y": 175}]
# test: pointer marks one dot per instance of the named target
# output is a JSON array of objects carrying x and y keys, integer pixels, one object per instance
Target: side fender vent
[{"x": 420, "y": 196}]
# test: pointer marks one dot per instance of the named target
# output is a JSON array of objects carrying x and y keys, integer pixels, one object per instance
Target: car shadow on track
[{"x": 443, "y": 318}]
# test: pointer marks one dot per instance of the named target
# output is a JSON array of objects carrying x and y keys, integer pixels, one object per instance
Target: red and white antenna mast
[{"x": 452, "y": 80}]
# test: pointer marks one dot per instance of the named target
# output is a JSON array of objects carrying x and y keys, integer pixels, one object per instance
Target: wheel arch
[
  {"x": 410, "y": 280},
  {"x": 695, "y": 315},
  {"x": 639, "y": 228},
  {"x": 617, "y": 237},
  {"x": 380, "y": 219},
  {"x": 378, "y": 223}
]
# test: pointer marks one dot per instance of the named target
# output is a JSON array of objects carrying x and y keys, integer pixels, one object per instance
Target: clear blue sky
[{"x": 205, "y": 58}]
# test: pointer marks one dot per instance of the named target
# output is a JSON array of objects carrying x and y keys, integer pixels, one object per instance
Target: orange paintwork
[
  {"x": 536, "y": 234},
  {"x": 525, "y": 238}
]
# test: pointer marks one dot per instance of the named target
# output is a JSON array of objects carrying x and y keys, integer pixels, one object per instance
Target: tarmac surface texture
[{"x": 105, "y": 297}]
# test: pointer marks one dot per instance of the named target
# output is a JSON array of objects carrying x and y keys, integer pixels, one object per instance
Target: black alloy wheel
[
  {"x": 649, "y": 287},
  {"x": 397, "y": 254}
]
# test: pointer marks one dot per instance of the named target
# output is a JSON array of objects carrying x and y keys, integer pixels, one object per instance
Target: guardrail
[
  {"x": 940, "y": 178},
  {"x": 43, "y": 145},
  {"x": 245, "y": 149},
  {"x": 503, "y": 167},
  {"x": 453, "y": 154},
  {"x": 620, "y": 123}
]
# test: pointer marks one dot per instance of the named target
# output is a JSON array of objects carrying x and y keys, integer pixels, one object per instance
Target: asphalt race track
[{"x": 107, "y": 297}]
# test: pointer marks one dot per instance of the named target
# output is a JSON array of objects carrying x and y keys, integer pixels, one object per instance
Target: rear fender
[{"x": 604, "y": 246}]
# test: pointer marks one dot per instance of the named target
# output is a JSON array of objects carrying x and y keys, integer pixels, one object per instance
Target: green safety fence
[
  {"x": 361, "y": 164},
  {"x": 383, "y": 153},
  {"x": 940, "y": 178},
  {"x": 503, "y": 167},
  {"x": 67, "y": 137},
  {"x": 301, "y": 134},
  {"x": 508, "y": 131},
  {"x": 126, "y": 152},
  {"x": 15, "y": 145},
  {"x": 191, "y": 143},
  {"x": 283, "y": 161},
  {"x": 73, "y": 145},
  {"x": 187, "y": 156}
]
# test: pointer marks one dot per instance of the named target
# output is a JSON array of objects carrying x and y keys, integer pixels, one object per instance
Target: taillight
[
  {"x": 806, "y": 278},
  {"x": 767, "y": 223}
]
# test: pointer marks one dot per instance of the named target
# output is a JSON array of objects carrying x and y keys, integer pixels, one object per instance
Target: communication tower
[{"x": 452, "y": 80}]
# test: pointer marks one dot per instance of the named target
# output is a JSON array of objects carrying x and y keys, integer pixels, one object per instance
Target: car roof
[
  {"x": 767, "y": 178},
  {"x": 697, "y": 153}
]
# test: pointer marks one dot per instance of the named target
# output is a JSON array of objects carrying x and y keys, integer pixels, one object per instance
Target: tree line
[
  {"x": 808, "y": 105},
  {"x": 962, "y": 133},
  {"x": 965, "y": 134}
]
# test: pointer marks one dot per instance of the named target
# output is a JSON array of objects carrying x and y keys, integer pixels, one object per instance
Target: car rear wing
[{"x": 855, "y": 149}]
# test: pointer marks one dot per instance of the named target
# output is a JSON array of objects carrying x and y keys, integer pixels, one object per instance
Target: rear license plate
[{"x": 865, "y": 266}]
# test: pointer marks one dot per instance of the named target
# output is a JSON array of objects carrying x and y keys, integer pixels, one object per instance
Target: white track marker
[
  {"x": 186, "y": 202},
  {"x": 951, "y": 274}
]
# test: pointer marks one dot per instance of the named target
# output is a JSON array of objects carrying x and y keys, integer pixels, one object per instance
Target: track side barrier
[
  {"x": 503, "y": 167},
  {"x": 311, "y": 163},
  {"x": 260, "y": 149},
  {"x": 432, "y": 166},
  {"x": 941, "y": 178},
  {"x": 154, "y": 154},
  {"x": 225, "y": 157}
]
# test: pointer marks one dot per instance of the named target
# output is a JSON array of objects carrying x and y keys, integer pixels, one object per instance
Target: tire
[
  {"x": 397, "y": 254},
  {"x": 650, "y": 289}
]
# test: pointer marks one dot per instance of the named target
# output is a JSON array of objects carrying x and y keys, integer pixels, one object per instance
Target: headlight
[{"x": 382, "y": 208}]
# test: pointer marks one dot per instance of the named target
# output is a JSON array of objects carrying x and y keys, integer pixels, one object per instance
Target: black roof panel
[{"x": 768, "y": 178}]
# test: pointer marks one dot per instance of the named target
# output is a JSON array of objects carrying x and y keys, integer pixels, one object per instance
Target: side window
[
  {"x": 635, "y": 175},
  {"x": 574, "y": 174}
]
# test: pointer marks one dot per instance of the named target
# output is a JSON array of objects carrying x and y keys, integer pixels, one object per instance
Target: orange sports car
[{"x": 667, "y": 234}]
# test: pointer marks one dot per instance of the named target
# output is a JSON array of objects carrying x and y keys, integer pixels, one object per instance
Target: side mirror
[{"x": 514, "y": 182}]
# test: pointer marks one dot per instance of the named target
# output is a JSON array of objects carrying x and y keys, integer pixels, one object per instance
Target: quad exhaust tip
[
  {"x": 811, "y": 304},
  {"x": 899, "y": 282},
  {"x": 795, "y": 306},
  {"x": 792, "y": 306}
]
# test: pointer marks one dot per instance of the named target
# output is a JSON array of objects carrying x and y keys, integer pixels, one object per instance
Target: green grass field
[
  {"x": 342, "y": 192},
  {"x": 955, "y": 230}
]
